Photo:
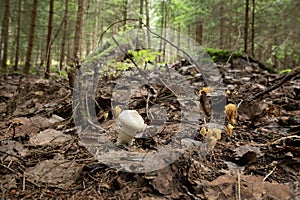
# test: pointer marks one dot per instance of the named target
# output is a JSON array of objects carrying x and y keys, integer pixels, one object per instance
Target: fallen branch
[{"x": 284, "y": 79}]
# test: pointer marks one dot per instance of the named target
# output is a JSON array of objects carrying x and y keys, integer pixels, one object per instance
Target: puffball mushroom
[{"x": 129, "y": 122}]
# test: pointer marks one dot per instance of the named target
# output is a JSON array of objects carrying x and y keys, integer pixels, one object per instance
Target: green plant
[
  {"x": 143, "y": 56},
  {"x": 285, "y": 71}
]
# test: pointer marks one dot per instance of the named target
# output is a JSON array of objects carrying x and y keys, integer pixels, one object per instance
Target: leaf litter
[{"x": 41, "y": 155}]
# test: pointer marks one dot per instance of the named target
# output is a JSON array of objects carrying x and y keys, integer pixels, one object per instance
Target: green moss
[{"x": 220, "y": 55}]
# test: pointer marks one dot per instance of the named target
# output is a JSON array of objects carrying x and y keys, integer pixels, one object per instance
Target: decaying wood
[{"x": 284, "y": 79}]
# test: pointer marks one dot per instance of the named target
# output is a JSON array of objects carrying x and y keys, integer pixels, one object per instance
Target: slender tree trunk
[
  {"x": 125, "y": 13},
  {"x": 141, "y": 13},
  {"x": 229, "y": 27},
  {"x": 49, "y": 38},
  {"x": 222, "y": 24},
  {"x": 64, "y": 36},
  {"x": 30, "y": 37},
  {"x": 16, "y": 65},
  {"x": 78, "y": 33},
  {"x": 148, "y": 22},
  {"x": 96, "y": 27},
  {"x": 5, "y": 36},
  {"x": 162, "y": 7},
  {"x": 246, "y": 27},
  {"x": 102, "y": 20},
  {"x": 165, "y": 17},
  {"x": 199, "y": 29},
  {"x": 252, "y": 28}
]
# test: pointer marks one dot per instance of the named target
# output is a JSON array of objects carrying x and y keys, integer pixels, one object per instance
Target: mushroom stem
[{"x": 124, "y": 139}]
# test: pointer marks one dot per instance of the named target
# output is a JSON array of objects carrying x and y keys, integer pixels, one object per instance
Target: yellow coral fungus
[
  {"x": 217, "y": 133},
  {"x": 209, "y": 133},
  {"x": 212, "y": 142},
  {"x": 228, "y": 92},
  {"x": 205, "y": 90},
  {"x": 203, "y": 131},
  {"x": 231, "y": 113},
  {"x": 229, "y": 129}
]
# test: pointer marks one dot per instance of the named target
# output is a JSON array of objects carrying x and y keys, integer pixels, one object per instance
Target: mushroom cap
[{"x": 130, "y": 121}]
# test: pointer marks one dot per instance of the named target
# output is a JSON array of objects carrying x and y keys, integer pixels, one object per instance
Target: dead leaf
[
  {"x": 252, "y": 187},
  {"x": 49, "y": 136},
  {"x": 163, "y": 182},
  {"x": 62, "y": 173}
]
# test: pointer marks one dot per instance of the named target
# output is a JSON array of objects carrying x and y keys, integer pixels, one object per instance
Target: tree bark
[
  {"x": 49, "y": 39},
  {"x": 64, "y": 36},
  {"x": 16, "y": 65},
  {"x": 125, "y": 13},
  {"x": 199, "y": 29},
  {"x": 30, "y": 37},
  {"x": 141, "y": 14},
  {"x": 252, "y": 28},
  {"x": 5, "y": 36},
  {"x": 246, "y": 27},
  {"x": 148, "y": 22},
  {"x": 78, "y": 33},
  {"x": 222, "y": 24}
]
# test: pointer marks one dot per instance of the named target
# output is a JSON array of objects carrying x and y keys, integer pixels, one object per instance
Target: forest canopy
[{"x": 39, "y": 36}]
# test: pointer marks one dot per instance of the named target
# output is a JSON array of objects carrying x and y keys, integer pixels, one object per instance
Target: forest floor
[{"x": 42, "y": 156}]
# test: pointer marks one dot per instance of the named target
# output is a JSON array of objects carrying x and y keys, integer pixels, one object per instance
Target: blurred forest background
[{"x": 45, "y": 36}]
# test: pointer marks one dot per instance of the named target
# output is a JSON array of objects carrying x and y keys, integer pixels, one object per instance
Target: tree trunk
[
  {"x": 64, "y": 36},
  {"x": 125, "y": 13},
  {"x": 16, "y": 65},
  {"x": 246, "y": 27},
  {"x": 230, "y": 27},
  {"x": 222, "y": 24},
  {"x": 49, "y": 37},
  {"x": 199, "y": 29},
  {"x": 5, "y": 37},
  {"x": 162, "y": 7},
  {"x": 148, "y": 22},
  {"x": 78, "y": 33},
  {"x": 252, "y": 28},
  {"x": 96, "y": 26},
  {"x": 141, "y": 14},
  {"x": 165, "y": 14},
  {"x": 30, "y": 37}
]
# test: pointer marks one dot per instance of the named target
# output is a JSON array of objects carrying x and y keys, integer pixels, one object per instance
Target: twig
[
  {"x": 238, "y": 186},
  {"x": 24, "y": 182},
  {"x": 12, "y": 155},
  {"x": 285, "y": 78},
  {"x": 147, "y": 108},
  {"x": 269, "y": 174}
]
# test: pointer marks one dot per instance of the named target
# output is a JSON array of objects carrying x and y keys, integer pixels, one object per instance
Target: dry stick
[
  {"x": 269, "y": 174},
  {"x": 24, "y": 182},
  {"x": 239, "y": 186},
  {"x": 284, "y": 79}
]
